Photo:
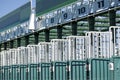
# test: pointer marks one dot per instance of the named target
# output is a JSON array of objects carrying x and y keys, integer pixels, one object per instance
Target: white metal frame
[
  {"x": 59, "y": 50},
  {"x": 101, "y": 44},
  {"x": 33, "y": 54},
  {"x": 79, "y": 47},
  {"x": 45, "y": 52},
  {"x": 116, "y": 39}
]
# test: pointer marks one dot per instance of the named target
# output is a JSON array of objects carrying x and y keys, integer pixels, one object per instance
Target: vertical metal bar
[
  {"x": 11, "y": 44},
  {"x": 36, "y": 36},
  {"x": 59, "y": 32},
  {"x": 0, "y": 47},
  {"x": 18, "y": 42},
  {"x": 5, "y": 46},
  {"x": 26, "y": 40},
  {"x": 91, "y": 23},
  {"x": 47, "y": 33},
  {"x": 112, "y": 17},
  {"x": 74, "y": 28}
]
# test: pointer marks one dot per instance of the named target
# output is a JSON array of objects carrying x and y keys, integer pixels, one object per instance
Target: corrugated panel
[
  {"x": 14, "y": 73},
  {"x": 6, "y": 73},
  {"x": 32, "y": 75},
  {"x": 60, "y": 71},
  {"x": 99, "y": 69},
  {"x": 116, "y": 68},
  {"x": 45, "y": 71},
  {"x": 77, "y": 70},
  {"x": 23, "y": 72},
  {"x": 1, "y": 73}
]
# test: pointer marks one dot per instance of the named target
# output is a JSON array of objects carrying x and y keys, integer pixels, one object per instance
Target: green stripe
[{"x": 58, "y": 6}]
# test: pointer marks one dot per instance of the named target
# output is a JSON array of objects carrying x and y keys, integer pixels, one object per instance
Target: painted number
[
  {"x": 82, "y": 10},
  {"x": 52, "y": 20},
  {"x": 65, "y": 15},
  {"x": 100, "y": 4}
]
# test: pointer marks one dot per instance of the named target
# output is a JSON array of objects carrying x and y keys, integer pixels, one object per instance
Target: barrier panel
[
  {"x": 98, "y": 69},
  {"x": 59, "y": 50},
  {"x": 77, "y": 70},
  {"x": 24, "y": 72},
  {"x": 60, "y": 71},
  {"x": 45, "y": 52},
  {"x": 101, "y": 44},
  {"x": 116, "y": 68},
  {"x": 6, "y": 73},
  {"x": 15, "y": 74},
  {"x": 33, "y": 73},
  {"x": 45, "y": 71},
  {"x": 79, "y": 47}
]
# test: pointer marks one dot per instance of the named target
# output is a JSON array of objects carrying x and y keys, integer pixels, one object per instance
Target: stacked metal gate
[{"x": 88, "y": 57}]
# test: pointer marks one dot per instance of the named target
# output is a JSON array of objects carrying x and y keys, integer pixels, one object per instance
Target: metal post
[
  {"x": 59, "y": 32},
  {"x": 36, "y": 36},
  {"x": 5, "y": 46},
  {"x": 18, "y": 42},
  {"x": 74, "y": 28},
  {"x": 26, "y": 40},
  {"x": 91, "y": 23},
  {"x": 11, "y": 44},
  {"x": 112, "y": 17},
  {"x": 0, "y": 47},
  {"x": 47, "y": 32}
]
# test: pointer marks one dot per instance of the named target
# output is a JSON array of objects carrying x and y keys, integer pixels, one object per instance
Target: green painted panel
[
  {"x": 23, "y": 72},
  {"x": 45, "y": 71},
  {"x": 77, "y": 70},
  {"x": 33, "y": 75},
  {"x": 15, "y": 73},
  {"x": 25, "y": 12},
  {"x": 117, "y": 68},
  {"x": 60, "y": 72},
  {"x": 6, "y": 72},
  {"x": 1, "y": 73},
  {"x": 44, "y": 6},
  {"x": 99, "y": 69}
]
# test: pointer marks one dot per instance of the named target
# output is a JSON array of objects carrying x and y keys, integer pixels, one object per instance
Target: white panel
[
  {"x": 1, "y": 59},
  {"x": 45, "y": 52},
  {"x": 116, "y": 39},
  {"x": 32, "y": 54},
  {"x": 13, "y": 56},
  {"x": 23, "y": 55},
  {"x": 101, "y": 44},
  {"x": 7, "y": 57},
  {"x": 79, "y": 47},
  {"x": 59, "y": 50},
  {"x": 4, "y": 61}
]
